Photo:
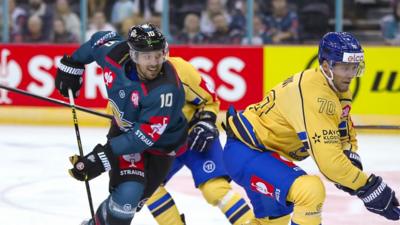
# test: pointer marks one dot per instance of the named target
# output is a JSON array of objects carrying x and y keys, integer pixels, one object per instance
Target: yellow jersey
[
  {"x": 304, "y": 116},
  {"x": 199, "y": 95}
]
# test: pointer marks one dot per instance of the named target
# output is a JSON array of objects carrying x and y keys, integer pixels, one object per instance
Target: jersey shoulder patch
[{"x": 119, "y": 54}]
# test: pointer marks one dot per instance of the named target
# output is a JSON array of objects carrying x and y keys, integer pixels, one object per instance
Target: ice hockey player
[
  {"x": 148, "y": 129},
  {"x": 204, "y": 155},
  {"x": 307, "y": 114}
]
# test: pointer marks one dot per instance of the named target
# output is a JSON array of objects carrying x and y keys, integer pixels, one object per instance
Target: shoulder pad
[
  {"x": 102, "y": 37},
  {"x": 119, "y": 53}
]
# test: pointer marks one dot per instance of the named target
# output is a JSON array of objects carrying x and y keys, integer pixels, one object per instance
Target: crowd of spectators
[{"x": 191, "y": 22}]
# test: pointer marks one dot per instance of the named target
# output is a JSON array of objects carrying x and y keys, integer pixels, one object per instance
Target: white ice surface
[{"x": 35, "y": 188}]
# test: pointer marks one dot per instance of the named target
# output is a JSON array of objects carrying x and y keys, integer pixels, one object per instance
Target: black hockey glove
[
  {"x": 356, "y": 161},
  {"x": 100, "y": 160},
  {"x": 203, "y": 132},
  {"x": 379, "y": 198},
  {"x": 69, "y": 76}
]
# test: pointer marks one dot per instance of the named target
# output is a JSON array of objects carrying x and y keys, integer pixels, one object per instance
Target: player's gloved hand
[
  {"x": 356, "y": 161},
  {"x": 203, "y": 132},
  {"x": 69, "y": 76},
  {"x": 101, "y": 159},
  {"x": 379, "y": 198}
]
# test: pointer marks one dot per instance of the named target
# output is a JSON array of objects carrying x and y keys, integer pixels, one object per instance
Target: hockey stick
[
  {"x": 59, "y": 102},
  {"x": 378, "y": 127},
  {"x": 56, "y": 101},
  {"x": 78, "y": 139}
]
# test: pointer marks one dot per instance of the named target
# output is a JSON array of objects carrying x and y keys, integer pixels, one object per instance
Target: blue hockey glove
[
  {"x": 356, "y": 161},
  {"x": 203, "y": 132},
  {"x": 69, "y": 76},
  {"x": 101, "y": 159},
  {"x": 379, "y": 198}
]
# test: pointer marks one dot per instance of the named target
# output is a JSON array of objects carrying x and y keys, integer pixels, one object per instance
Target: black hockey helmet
[{"x": 146, "y": 37}]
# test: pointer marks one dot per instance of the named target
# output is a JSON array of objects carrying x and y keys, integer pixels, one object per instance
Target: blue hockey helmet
[{"x": 341, "y": 47}]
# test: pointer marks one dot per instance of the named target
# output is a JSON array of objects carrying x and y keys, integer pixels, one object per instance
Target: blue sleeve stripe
[
  {"x": 302, "y": 135},
  {"x": 164, "y": 208},
  {"x": 196, "y": 101},
  {"x": 250, "y": 129},
  {"x": 235, "y": 207},
  {"x": 159, "y": 202},
  {"x": 239, "y": 214}
]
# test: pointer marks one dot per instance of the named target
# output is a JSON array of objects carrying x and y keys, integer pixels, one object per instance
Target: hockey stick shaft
[
  {"x": 56, "y": 101},
  {"x": 59, "y": 102},
  {"x": 78, "y": 139}
]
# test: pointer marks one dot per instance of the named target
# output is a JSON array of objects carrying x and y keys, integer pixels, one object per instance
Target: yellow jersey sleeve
[
  {"x": 199, "y": 95},
  {"x": 321, "y": 116}
]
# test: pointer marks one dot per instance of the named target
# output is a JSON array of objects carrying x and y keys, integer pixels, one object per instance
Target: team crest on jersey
[
  {"x": 109, "y": 77},
  {"x": 135, "y": 98},
  {"x": 261, "y": 186},
  {"x": 156, "y": 127},
  {"x": 130, "y": 161},
  {"x": 346, "y": 111}
]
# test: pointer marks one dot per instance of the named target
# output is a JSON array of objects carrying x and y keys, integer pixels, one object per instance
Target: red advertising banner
[{"x": 235, "y": 72}]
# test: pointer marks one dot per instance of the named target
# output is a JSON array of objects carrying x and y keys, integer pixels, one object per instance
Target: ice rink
[{"x": 35, "y": 188}]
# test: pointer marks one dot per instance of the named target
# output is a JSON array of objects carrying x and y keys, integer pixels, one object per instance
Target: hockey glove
[
  {"x": 379, "y": 198},
  {"x": 203, "y": 132},
  {"x": 100, "y": 160},
  {"x": 356, "y": 161},
  {"x": 69, "y": 76}
]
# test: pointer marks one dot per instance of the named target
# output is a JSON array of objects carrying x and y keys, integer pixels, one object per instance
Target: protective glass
[{"x": 356, "y": 69}]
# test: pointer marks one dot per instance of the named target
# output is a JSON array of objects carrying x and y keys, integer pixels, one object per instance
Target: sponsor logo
[
  {"x": 283, "y": 159},
  {"x": 10, "y": 75},
  {"x": 209, "y": 166},
  {"x": 143, "y": 138},
  {"x": 156, "y": 128},
  {"x": 134, "y": 160},
  {"x": 261, "y": 186},
  {"x": 353, "y": 57},
  {"x": 135, "y": 98},
  {"x": 131, "y": 172},
  {"x": 316, "y": 138},
  {"x": 109, "y": 77},
  {"x": 328, "y": 137},
  {"x": 104, "y": 160}
]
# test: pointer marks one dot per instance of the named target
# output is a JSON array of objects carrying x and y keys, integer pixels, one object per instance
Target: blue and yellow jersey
[
  {"x": 304, "y": 116},
  {"x": 199, "y": 95}
]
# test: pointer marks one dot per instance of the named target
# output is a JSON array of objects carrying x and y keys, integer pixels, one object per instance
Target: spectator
[
  {"x": 98, "y": 23},
  {"x": 71, "y": 20},
  {"x": 128, "y": 23},
  {"x": 390, "y": 25},
  {"x": 18, "y": 17},
  {"x": 61, "y": 34},
  {"x": 121, "y": 10},
  {"x": 282, "y": 24},
  {"x": 213, "y": 8},
  {"x": 223, "y": 34},
  {"x": 41, "y": 9},
  {"x": 191, "y": 33},
  {"x": 34, "y": 32},
  {"x": 260, "y": 35},
  {"x": 96, "y": 5}
]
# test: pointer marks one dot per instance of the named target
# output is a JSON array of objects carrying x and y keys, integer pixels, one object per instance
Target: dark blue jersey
[{"x": 149, "y": 113}]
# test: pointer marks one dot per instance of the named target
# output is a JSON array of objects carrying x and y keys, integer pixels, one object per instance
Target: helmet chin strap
[{"x": 330, "y": 79}]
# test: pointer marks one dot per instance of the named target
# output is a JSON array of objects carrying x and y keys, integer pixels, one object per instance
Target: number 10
[{"x": 166, "y": 100}]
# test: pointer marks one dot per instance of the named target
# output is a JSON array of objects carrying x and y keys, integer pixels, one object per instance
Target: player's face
[
  {"x": 343, "y": 74},
  {"x": 149, "y": 64}
]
